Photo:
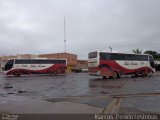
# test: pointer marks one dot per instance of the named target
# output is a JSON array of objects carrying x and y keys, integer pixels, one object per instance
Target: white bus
[
  {"x": 19, "y": 67},
  {"x": 109, "y": 64}
]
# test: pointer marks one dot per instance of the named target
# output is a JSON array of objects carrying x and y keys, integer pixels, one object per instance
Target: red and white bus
[
  {"x": 19, "y": 67},
  {"x": 110, "y": 64}
]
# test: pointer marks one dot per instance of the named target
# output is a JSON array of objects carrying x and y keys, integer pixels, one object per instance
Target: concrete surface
[
  {"x": 148, "y": 104},
  {"x": 77, "y": 93},
  {"x": 23, "y": 105}
]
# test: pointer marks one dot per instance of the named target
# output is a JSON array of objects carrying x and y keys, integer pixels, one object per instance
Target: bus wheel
[
  {"x": 16, "y": 74},
  {"x": 50, "y": 72},
  {"x": 55, "y": 73},
  {"x": 120, "y": 73},
  {"x": 146, "y": 73},
  {"x": 63, "y": 70},
  {"x": 114, "y": 75}
]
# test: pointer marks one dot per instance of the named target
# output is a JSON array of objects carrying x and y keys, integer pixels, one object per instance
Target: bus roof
[
  {"x": 39, "y": 59},
  {"x": 119, "y": 52}
]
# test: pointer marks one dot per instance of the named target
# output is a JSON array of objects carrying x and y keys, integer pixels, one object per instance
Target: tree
[
  {"x": 137, "y": 51},
  {"x": 155, "y": 55}
]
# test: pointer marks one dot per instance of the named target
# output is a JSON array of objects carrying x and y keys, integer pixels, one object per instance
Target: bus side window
[
  {"x": 128, "y": 57},
  {"x": 105, "y": 56},
  {"x": 117, "y": 56}
]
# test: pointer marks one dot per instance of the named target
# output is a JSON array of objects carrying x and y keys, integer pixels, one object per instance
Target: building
[
  {"x": 82, "y": 64},
  {"x": 71, "y": 59},
  {"x": 27, "y": 56}
]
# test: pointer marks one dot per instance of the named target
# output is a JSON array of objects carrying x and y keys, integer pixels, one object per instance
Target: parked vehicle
[{"x": 84, "y": 70}]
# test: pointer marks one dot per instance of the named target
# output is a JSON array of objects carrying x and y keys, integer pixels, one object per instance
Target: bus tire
[
  {"x": 50, "y": 72},
  {"x": 146, "y": 73},
  {"x": 63, "y": 70},
  {"x": 59, "y": 71},
  {"x": 136, "y": 75},
  {"x": 55, "y": 73},
  {"x": 16, "y": 74},
  {"x": 120, "y": 73},
  {"x": 114, "y": 75}
]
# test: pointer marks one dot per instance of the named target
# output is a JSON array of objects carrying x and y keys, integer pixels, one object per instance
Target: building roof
[{"x": 57, "y": 53}]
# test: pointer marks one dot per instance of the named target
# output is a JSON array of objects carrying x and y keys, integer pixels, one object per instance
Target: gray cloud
[{"x": 35, "y": 27}]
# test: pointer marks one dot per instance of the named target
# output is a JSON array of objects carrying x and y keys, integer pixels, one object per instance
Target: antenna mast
[{"x": 64, "y": 35}]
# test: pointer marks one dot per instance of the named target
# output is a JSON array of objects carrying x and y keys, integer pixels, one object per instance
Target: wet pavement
[{"x": 89, "y": 90}]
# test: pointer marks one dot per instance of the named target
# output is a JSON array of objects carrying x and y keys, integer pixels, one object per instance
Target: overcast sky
[{"x": 37, "y": 26}]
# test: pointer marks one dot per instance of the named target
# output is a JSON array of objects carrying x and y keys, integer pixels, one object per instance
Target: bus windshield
[
  {"x": 9, "y": 65},
  {"x": 92, "y": 55}
]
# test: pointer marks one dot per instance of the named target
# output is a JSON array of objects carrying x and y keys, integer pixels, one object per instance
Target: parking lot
[{"x": 128, "y": 94}]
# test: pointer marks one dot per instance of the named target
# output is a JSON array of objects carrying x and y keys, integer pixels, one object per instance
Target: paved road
[{"x": 82, "y": 88}]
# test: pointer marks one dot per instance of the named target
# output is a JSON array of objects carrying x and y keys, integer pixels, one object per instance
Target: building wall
[
  {"x": 82, "y": 64},
  {"x": 26, "y": 56}
]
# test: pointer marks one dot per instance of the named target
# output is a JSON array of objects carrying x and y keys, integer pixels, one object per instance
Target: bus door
[{"x": 151, "y": 61}]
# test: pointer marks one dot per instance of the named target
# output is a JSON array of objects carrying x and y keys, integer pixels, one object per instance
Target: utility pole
[
  {"x": 110, "y": 48},
  {"x": 64, "y": 35},
  {"x": 1, "y": 65}
]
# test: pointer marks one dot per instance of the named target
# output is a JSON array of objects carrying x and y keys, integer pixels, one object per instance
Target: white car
[{"x": 84, "y": 70}]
